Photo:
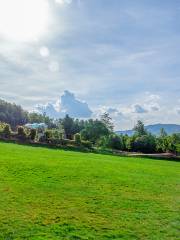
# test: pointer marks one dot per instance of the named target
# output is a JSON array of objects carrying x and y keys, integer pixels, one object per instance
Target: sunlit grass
[{"x": 55, "y": 194}]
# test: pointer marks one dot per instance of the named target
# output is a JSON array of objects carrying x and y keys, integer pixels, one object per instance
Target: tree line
[{"x": 92, "y": 133}]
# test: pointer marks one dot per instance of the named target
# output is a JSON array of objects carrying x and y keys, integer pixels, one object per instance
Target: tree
[
  {"x": 61, "y": 132},
  {"x": 68, "y": 125},
  {"x": 94, "y": 130},
  {"x": 12, "y": 114},
  {"x": 32, "y": 134},
  {"x": 163, "y": 133},
  {"x": 145, "y": 144},
  {"x": 39, "y": 118},
  {"x": 6, "y": 132},
  {"x": 47, "y": 136},
  {"x": 172, "y": 144},
  {"x": 107, "y": 120},
  {"x": 77, "y": 138},
  {"x": 140, "y": 129},
  {"x": 176, "y": 138},
  {"x": 112, "y": 141},
  {"x": 21, "y": 133},
  {"x": 165, "y": 143},
  {"x": 129, "y": 143}
]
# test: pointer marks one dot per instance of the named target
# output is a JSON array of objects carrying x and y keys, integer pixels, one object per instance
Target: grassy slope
[{"x": 53, "y": 194}]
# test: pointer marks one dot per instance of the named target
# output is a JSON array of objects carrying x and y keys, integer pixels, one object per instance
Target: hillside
[
  {"x": 12, "y": 114},
  {"x": 55, "y": 194},
  {"x": 155, "y": 129}
]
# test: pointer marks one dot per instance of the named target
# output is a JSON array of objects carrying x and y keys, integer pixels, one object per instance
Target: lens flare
[{"x": 23, "y": 20}]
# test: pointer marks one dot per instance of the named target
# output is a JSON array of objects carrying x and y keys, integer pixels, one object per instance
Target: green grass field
[{"x": 56, "y": 194}]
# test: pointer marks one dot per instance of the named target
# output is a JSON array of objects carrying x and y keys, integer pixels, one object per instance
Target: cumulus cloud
[
  {"x": 149, "y": 97},
  {"x": 115, "y": 113},
  {"x": 73, "y": 106},
  {"x": 48, "y": 109},
  {"x": 112, "y": 110},
  {"x": 178, "y": 111},
  {"x": 146, "y": 103},
  {"x": 139, "y": 109},
  {"x": 63, "y": 1},
  {"x": 151, "y": 102},
  {"x": 155, "y": 108},
  {"x": 68, "y": 104},
  {"x": 118, "y": 118},
  {"x": 54, "y": 66}
]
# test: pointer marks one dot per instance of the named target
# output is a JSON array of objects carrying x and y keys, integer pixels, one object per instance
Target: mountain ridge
[{"x": 155, "y": 129}]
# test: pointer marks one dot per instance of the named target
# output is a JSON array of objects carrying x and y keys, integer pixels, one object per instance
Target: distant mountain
[
  {"x": 155, "y": 129},
  {"x": 125, "y": 132}
]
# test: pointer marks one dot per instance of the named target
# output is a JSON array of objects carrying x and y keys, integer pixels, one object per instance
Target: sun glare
[{"x": 23, "y": 20}]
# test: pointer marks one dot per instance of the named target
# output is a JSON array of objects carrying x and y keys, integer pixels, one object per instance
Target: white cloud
[
  {"x": 107, "y": 64},
  {"x": 48, "y": 109},
  {"x": 54, "y": 66},
  {"x": 155, "y": 108},
  {"x": 112, "y": 110},
  {"x": 63, "y": 1},
  {"x": 178, "y": 111},
  {"x": 152, "y": 102},
  {"x": 139, "y": 109},
  {"x": 68, "y": 104}
]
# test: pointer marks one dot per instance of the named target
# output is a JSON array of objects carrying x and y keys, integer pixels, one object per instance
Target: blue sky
[{"x": 117, "y": 56}]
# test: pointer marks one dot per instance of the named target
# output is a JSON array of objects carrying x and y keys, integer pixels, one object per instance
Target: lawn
[{"x": 56, "y": 194}]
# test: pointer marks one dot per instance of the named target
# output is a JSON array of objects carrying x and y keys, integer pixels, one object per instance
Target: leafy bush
[
  {"x": 56, "y": 134},
  {"x": 32, "y": 134},
  {"x": 145, "y": 144},
  {"x": 171, "y": 145},
  {"x": 86, "y": 144},
  {"x": 21, "y": 133},
  {"x": 77, "y": 138},
  {"x": 94, "y": 130},
  {"x": 12, "y": 114},
  {"x": 112, "y": 141},
  {"x": 166, "y": 143},
  {"x": 2, "y": 125},
  {"x": 129, "y": 143},
  {"x": 47, "y": 136},
  {"x": 5, "y": 130},
  {"x": 52, "y": 136}
]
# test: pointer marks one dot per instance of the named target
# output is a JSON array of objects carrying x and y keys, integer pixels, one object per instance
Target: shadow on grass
[
  {"x": 86, "y": 150},
  {"x": 175, "y": 159}
]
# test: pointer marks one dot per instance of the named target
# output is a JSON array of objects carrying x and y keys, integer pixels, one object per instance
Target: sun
[{"x": 23, "y": 20}]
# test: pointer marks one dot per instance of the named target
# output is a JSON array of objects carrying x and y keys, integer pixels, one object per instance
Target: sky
[{"x": 85, "y": 57}]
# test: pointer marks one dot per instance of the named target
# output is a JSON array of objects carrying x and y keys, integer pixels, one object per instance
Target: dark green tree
[
  {"x": 107, "y": 120},
  {"x": 7, "y": 131},
  {"x": 39, "y": 118},
  {"x": 68, "y": 125},
  {"x": 12, "y": 114},
  {"x": 139, "y": 129},
  {"x": 32, "y": 134},
  {"x": 94, "y": 130},
  {"x": 144, "y": 144},
  {"x": 21, "y": 133},
  {"x": 77, "y": 138},
  {"x": 113, "y": 141},
  {"x": 163, "y": 133}
]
